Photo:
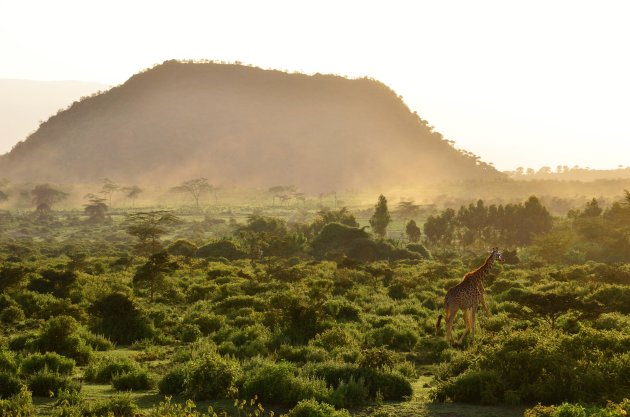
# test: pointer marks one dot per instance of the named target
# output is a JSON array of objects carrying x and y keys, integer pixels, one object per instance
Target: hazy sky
[{"x": 526, "y": 83}]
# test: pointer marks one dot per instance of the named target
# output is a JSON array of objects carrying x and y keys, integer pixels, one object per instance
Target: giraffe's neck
[{"x": 480, "y": 273}]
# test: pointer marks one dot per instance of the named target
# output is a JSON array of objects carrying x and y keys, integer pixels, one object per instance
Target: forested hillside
[{"x": 239, "y": 125}]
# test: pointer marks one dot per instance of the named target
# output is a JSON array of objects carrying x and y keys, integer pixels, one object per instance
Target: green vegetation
[{"x": 303, "y": 311}]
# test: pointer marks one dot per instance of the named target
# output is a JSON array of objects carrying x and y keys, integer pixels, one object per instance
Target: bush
[
  {"x": 280, "y": 383},
  {"x": 313, "y": 408},
  {"x": 61, "y": 335},
  {"x": 42, "y": 383},
  {"x": 119, "y": 319},
  {"x": 7, "y": 361},
  {"x": 105, "y": 367},
  {"x": 211, "y": 377},
  {"x": 351, "y": 393},
  {"x": 18, "y": 405},
  {"x": 9, "y": 385},
  {"x": 97, "y": 342},
  {"x": 52, "y": 361},
  {"x": 188, "y": 333},
  {"x": 576, "y": 410},
  {"x": 182, "y": 248},
  {"x": 221, "y": 249},
  {"x": 12, "y": 314},
  {"x": 120, "y": 405},
  {"x": 173, "y": 383},
  {"x": 391, "y": 385},
  {"x": 135, "y": 380},
  {"x": 419, "y": 248},
  {"x": 393, "y": 337}
]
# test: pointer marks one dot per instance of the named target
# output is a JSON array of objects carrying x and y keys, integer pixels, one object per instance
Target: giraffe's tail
[{"x": 437, "y": 325}]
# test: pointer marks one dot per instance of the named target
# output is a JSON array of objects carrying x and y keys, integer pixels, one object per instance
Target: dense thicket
[{"x": 313, "y": 315}]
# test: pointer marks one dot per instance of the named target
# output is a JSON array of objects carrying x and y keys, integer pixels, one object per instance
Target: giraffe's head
[{"x": 496, "y": 255}]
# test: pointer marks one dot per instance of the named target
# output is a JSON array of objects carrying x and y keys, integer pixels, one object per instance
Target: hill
[
  {"x": 240, "y": 125},
  {"x": 24, "y": 103}
]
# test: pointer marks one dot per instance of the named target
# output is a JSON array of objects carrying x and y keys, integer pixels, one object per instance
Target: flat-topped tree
[
  {"x": 44, "y": 196},
  {"x": 132, "y": 192},
  {"x": 109, "y": 188},
  {"x": 148, "y": 227},
  {"x": 95, "y": 209},
  {"x": 195, "y": 187}
]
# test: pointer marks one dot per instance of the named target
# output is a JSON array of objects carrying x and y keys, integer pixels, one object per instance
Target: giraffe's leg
[
  {"x": 473, "y": 314},
  {"x": 467, "y": 323},
  {"x": 485, "y": 307},
  {"x": 450, "y": 315}
]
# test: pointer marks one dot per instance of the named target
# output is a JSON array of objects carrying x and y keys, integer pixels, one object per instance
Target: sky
[{"x": 519, "y": 83}]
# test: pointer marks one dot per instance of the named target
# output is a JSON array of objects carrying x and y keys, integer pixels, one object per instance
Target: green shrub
[
  {"x": 419, "y": 248},
  {"x": 7, "y": 361},
  {"x": 302, "y": 354},
  {"x": 42, "y": 383},
  {"x": 391, "y": 385},
  {"x": 211, "y": 377},
  {"x": 104, "y": 368},
  {"x": 17, "y": 405},
  {"x": 119, "y": 319},
  {"x": 333, "y": 338},
  {"x": 393, "y": 337},
  {"x": 280, "y": 383},
  {"x": 188, "y": 333},
  {"x": 481, "y": 387},
  {"x": 12, "y": 314},
  {"x": 221, "y": 249},
  {"x": 61, "y": 335},
  {"x": 97, "y": 342},
  {"x": 173, "y": 382},
  {"x": 135, "y": 380},
  {"x": 119, "y": 405},
  {"x": 52, "y": 361},
  {"x": 182, "y": 248},
  {"x": 9, "y": 384},
  {"x": 351, "y": 393},
  {"x": 313, "y": 408}
]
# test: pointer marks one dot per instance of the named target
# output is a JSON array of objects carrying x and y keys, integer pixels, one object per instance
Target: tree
[
  {"x": 132, "y": 192},
  {"x": 326, "y": 216},
  {"x": 381, "y": 218},
  {"x": 413, "y": 231},
  {"x": 3, "y": 196},
  {"x": 440, "y": 229},
  {"x": 153, "y": 273},
  {"x": 407, "y": 209},
  {"x": 550, "y": 306},
  {"x": 281, "y": 192},
  {"x": 148, "y": 227},
  {"x": 96, "y": 209},
  {"x": 109, "y": 188},
  {"x": 195, "y": 188},
  {"x": 44, "y": 196}
]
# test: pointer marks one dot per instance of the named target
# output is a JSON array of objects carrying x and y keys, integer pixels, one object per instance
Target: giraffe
[{"x": 467, "y": 295}]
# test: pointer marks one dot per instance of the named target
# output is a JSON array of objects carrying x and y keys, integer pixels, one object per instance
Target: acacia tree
[
  {"x": 44, "y": 196},
  {"x": 407, "y": 209},
  {"x": 282, "y": 192},
  {"x": 153, "y": 273},
  {"x": 132, "y": 192},
  {"x": 96, "y": 209},
  {"x": 381, "y": 218},
  {"x": 109, "y": 188},
  {"x": 195, "y": 188},
  {"x": 148, "y": 227}
]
